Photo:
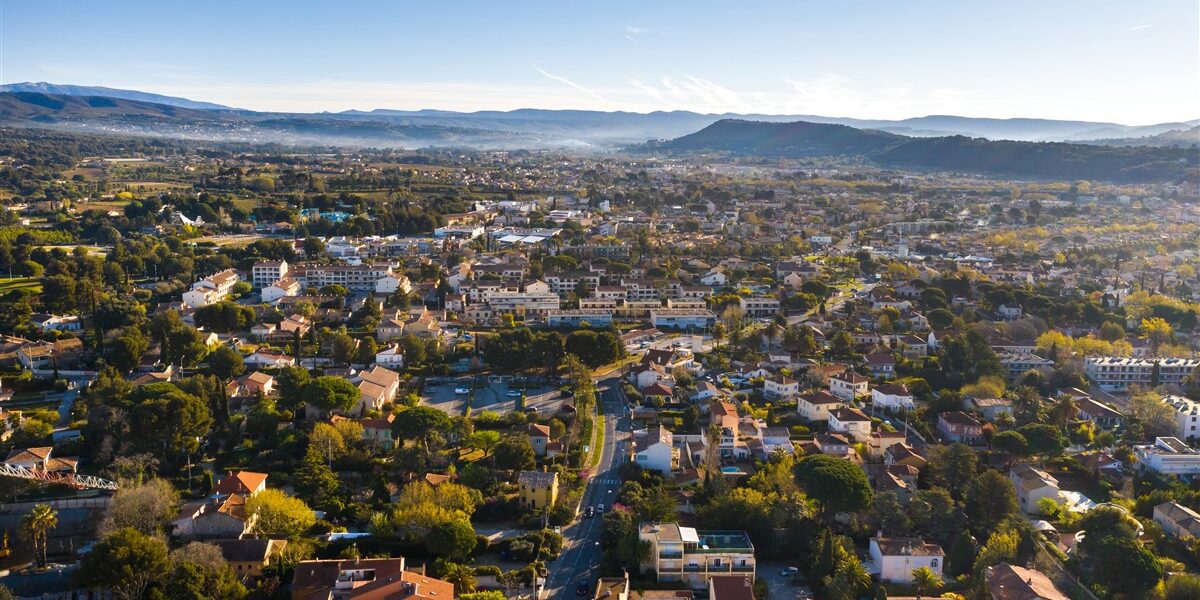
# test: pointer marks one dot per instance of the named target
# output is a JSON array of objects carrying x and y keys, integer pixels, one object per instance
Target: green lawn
[
  {"x": 16, "y": 283},
  {"x": 597, "y": 446}
]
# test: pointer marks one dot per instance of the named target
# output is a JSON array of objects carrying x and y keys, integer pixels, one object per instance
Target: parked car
[
  {"x": 462, "y": 390},
  {"x": 788, "y": 572},
  {"x": 513, "y": 393}
]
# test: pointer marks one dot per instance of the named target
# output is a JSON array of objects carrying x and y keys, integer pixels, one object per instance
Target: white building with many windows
[
  {"x": 1187, "y": 416},
  {"x": 1115, "y": 373}
]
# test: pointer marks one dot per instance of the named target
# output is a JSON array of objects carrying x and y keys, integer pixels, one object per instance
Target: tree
[
  {"x": 168, "y": 421},
  {"x": 889, "y": 514},
  {"x": 962, "y": 555},
  {"x": 279, "y": 514},
  {"x": 453, "y": 540},
  {"x": 514, "y": 453},
  {"x": 1182, "y": 586},
  {"x": 1044, "y": 439},
  {"x": 343, "y": 347},
  {"x": 316, "y": 481},
  {"x": 1157, "y": 330},
  {"x": 420, "y": 422},
  {"x": 837, "y": 485},
  {"x": 935, "y": 513},
  {"x": 990, "y": 498},
  {"x": 200, "y": 572},
  {"x": 1121, "y": 564},
  {"x": 35, "y": 525},
  {"x": 484, "y": 440},
  {"x": 226, "y": 363},
  {"x": 126, "y": 562},
  {"x": 926, "y": 580},
  {"x": 147, "y": 508},
  {"x": 331, "y": 393},
  {"x": 952, "y": 467},
  {"x": 1012, "y": 443},
  {"x": 463, "y": 578},
  {"x": 290, "y": 382}
]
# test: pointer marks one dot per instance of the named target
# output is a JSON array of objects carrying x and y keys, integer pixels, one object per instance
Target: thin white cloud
[
  {"x": 1141, "y": 27},
  {"x": 633, "y": 31},
  {"x": 568, "y": 82},
  {"x": 649, "y": 90}
]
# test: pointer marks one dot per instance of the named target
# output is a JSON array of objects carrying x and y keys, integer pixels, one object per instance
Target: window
[{"x": 934, "y": 563}]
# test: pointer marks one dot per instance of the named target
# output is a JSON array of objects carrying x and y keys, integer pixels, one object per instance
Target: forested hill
[{"x": 1035, "y": 160}]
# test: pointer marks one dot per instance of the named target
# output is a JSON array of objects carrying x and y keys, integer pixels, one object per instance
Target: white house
[
  {"x": 892, "y": 396},
  {"x": 48, "y": 322},
  {"x": 780, "y": 386},
  {"x": 269, "y": 358},
  {"x": 391, "y": 283},
  {"x": 849, "y": 386},
  {"x": 1177, "y": 520},
  {"x": 280, "y": 289},
  {"x": 815, "y": 406},
  {"x": 894, "y": 559},
  {"x": 1033, "y": 484},
  {"x": 850, "y": 421},
  {"x": 391, "y": 357},
  {"x": 654, "y": 450}
]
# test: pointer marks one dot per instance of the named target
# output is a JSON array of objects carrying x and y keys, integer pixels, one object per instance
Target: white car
[
  {"x": 513, "y": 393},
  {"x": 462, "y": 390}
]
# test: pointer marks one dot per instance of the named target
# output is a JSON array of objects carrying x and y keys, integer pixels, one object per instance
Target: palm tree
[
  {"x": 35, "y": 525},
  {"x": 926, "y": 580},
  {"x": 462, "y": 576}
]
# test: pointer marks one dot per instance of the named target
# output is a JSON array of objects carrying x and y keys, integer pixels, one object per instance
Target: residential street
[{"x": 580, "y": 558}]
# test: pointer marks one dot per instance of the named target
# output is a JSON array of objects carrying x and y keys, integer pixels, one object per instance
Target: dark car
[
  {"x": 581, "y": 589},
  {"x": 589, "y": 512}
]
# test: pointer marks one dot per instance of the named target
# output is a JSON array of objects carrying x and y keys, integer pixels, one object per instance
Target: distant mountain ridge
[
  {"x": 41, "y": 87},
  {"x": 590, "y": 127},
  {"x": 1038, "y": 160}
]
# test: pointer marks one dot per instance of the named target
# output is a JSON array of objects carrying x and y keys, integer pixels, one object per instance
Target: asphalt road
[{"x": 580, "y": 559}]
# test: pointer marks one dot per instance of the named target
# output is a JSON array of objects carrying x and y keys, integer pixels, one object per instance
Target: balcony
[
  {"x": 743, "y": 568},
  {"x": 674, "y": 555}
]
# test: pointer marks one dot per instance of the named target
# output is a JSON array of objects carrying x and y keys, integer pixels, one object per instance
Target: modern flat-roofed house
[
  {"x": 264, "y": 273},
  {"x": 894, "y": 559},
  {"x": 1169, "y": 456},
  {"x": 691, "y": 556},
  {"x": 280, "y": 289}
]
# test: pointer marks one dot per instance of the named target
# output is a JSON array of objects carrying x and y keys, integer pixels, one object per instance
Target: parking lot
[
  {"x": 781, "y": 587},
  {"x": 488, "y": 393}
]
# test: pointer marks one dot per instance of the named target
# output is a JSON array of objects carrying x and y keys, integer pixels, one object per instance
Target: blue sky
[{"x": 1131, "y": 62}]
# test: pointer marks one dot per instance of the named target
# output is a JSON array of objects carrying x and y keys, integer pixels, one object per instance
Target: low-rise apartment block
[{"x": 691, "y": 556}]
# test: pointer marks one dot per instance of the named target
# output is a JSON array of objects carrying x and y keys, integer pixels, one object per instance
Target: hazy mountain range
[
  {"x": 1164, "y": 155},
  {"x": 566, "y": 128},
  {"x": 1021, "y": 159}
]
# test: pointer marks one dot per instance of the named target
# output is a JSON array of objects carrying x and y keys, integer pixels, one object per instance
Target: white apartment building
[
  {"x": 211, "y": 289},
  {"x": 1187, "y": 416},
  {"x": 690, "y": 319},
  {"x": 537, "y": 305},
  {"x": 356, "y": 278},
  {"x": 691, "y": 556},
  {"x": 1115, "y": 373},
  {"x": 759, "y": 307},
  {"x": 264, "y": 273}
]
